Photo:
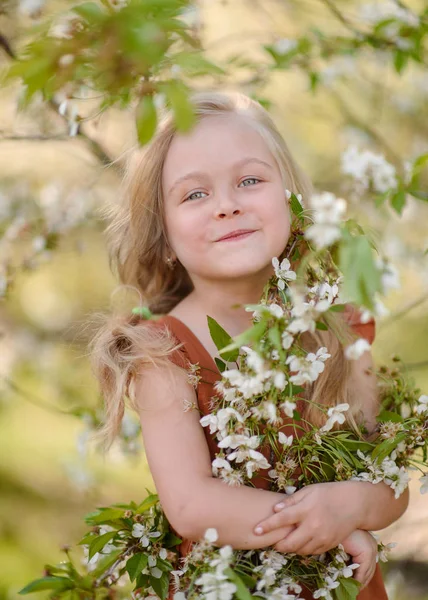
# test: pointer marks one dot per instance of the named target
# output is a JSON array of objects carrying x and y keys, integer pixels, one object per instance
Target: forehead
[{"x": 217, "y": 142}]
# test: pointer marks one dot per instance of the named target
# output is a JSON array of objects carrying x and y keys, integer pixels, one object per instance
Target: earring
[{"x": 171, "y": 263}]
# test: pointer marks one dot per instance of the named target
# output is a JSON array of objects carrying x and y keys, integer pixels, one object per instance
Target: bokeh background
[{"x": 50, "y": 477}]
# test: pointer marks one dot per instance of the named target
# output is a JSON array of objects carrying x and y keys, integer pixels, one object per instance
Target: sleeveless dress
[{"x": 194, "y": 351}]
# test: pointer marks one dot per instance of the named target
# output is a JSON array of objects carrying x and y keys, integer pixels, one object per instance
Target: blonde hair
[{"x": 138, "y": 247}]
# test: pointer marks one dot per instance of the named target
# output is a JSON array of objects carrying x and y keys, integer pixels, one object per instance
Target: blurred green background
[{"x": 49, "y": 477}]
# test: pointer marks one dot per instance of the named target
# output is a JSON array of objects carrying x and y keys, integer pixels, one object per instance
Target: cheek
[
  {"x": 277, "y": 219},
  {"x": 185, "y": 229}
]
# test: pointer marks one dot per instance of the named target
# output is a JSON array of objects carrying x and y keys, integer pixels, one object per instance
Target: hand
[
  {"x": 324, "y": 514},
  {"x": 362, "y": 546}
]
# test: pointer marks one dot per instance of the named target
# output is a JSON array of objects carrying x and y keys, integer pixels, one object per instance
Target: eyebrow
[{"x": 240, "y": 163}]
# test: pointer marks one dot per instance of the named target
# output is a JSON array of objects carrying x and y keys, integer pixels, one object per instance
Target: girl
[{"x": 203, "y": 214}]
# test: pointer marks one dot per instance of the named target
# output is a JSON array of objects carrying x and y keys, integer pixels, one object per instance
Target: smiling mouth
[{"x": 238, "y": 236}]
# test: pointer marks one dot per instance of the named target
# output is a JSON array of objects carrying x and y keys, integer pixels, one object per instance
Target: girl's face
[{"x": 219, "y": 178}]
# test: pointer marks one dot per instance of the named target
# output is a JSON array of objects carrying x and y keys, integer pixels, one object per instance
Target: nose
[{"x": 226, "y": 206}]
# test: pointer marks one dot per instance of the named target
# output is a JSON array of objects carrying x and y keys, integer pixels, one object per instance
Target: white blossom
[
  {"x": 279, "y": 380},
  {"x": 357, "y": 349},
  {"x": 211, "y": 535},
  {"x": 286, "y": 340},
  {"x": 285, "y": 440},
  {"x": 288, "y": 407},
  {"x": 284, "y": 46},
  {"x": 367, "y": 168},
  {"x": 308, "y": 368},
  {"x": 283, "y": 271},
  {"x": 422, "y": 406},
  {"x": 328, "y": 214},
  {"x": 335, "y": 415},
  {"x": 424, "y": 482}
]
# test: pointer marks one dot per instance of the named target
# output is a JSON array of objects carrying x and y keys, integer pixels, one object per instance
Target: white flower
[
  {"x": 328, "y": 213},
  {"x": 288, "y": 407},
  {"x": 218, "y": 464},
  {"x": 424, "y": 482},
  {"x": 210, "y": 420},
  {"x": 279, "y": 380},
  {"x": 276, "y": 310},
  {"x": 357, "y": 349},
  {"x": 286, "y": 340},
  {"x": 335, "y": 415},
  {"x": 284, "y": 440},
  {"x": 254, "y": 360},
  {"x": 211, "y": 535},
  {"x": 422, "y": 405},
  {"x": 284, "y": 45},
  {"x": 283, "y": 271},
  {"x": 390, "y": 277},
  {"x": 322, "y": 593},
  {"x": 367, "y": 168},
  {"x": 307, "y": 369}
]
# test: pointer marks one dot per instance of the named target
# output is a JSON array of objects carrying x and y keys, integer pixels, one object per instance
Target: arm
[
  {"x": 179, "y": 460},
  {"x": 326, "y": 513},
  {"x": 379, "y": 507}
]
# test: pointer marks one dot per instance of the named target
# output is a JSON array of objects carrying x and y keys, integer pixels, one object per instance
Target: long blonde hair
[{"x": 138, "y": 248}]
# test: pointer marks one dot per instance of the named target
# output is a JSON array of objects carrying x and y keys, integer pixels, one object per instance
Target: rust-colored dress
[{"x": 195, "y": 352}]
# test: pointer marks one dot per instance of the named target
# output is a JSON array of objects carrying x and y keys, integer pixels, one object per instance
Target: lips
[{"x": 236, "y": 233}]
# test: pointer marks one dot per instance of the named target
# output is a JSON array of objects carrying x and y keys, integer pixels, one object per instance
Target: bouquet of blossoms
[{"x": 253, "y": 401}]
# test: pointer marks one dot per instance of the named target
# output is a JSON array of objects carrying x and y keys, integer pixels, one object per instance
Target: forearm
[
  {"x": 379, "y": 507},
  {"x": 233, "y": 511}
]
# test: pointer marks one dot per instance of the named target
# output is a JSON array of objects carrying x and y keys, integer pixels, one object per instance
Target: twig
[
  {"x": 31, "y": 398},
  {"x": 403, "y": 311}
]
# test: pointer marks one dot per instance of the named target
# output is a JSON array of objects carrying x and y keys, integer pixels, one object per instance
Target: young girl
[{"x": 203, "y": 214}]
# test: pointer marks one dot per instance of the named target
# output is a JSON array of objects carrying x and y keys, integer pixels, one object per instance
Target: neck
[{"x": 218, "y": 299}]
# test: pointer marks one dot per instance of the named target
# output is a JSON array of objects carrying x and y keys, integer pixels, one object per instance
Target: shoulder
[{"x": 363, "y": 325}]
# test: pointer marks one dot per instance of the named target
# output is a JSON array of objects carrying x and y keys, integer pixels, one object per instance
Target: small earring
[{"x": 171, "y": 263}]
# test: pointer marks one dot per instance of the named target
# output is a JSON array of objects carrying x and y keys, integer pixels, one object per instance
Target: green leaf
[
  {"x": 348, "y": 589},
  {"x": 98, "y": 544},
  {"x": 296, "y": 207},
  {"x": 47, "y": 583},
  {"x": 136, "y": 564},
  {"x": 171, "y": 540},
  {"x": 251, "y": 334},
  {"x": 361, "y": 276},
  {"x": 387, "y": 415},
  {"x": 178, "y": 96},
  {"x": 221, "y": 365},
  {"x": 337, "y": 307},
  {"x": 104, "y": 515},
  {"x": 242, "y": 592},
  {"x": 105, "y": 562},
  {"x": 420, "y": 162},
  {"x": 321, "y": 325},
  {"x": 221, "y": 339},
  {"x": 146, "y": 119},
  {"x": 160, "y": 585},
  {"x": 418, "y": 194},
  {"x": 90, "y": 11},
  {"x": 400, "y": 60},
  {"x": 385, "y": 448},
  {"x": 194, "y": 63},
  {"x": 147, "y": 503},
  {"x": 275, "y": 337},
  {"x": 398, "y": 200}
]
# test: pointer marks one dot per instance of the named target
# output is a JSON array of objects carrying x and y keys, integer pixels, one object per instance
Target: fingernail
[
  {"x": 258, "y": 530},
  {"x": 280, "y": 505}
]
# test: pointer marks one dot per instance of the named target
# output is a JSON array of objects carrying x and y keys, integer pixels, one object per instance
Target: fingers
[
  {"x": 287, "y": 516},
  {"x": 366, "y": 570},
  {"x": 295, "y": 541}
]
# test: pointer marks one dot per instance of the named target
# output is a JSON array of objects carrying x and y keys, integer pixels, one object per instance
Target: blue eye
[
  {"x": 250, "y": 179},
  {"x": 193, "y": 194}
]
